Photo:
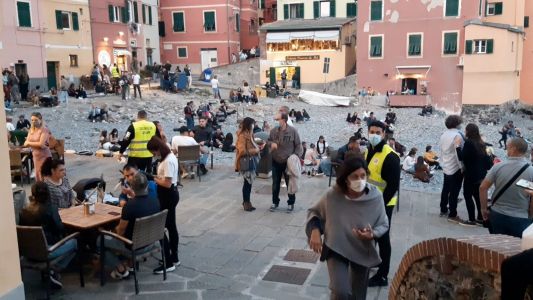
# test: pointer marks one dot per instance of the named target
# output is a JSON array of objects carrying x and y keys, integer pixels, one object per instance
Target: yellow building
[{"x": 67, "y": 39}]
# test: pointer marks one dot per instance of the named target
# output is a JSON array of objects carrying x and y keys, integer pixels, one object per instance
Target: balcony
[{"x": 409, "y": 100}]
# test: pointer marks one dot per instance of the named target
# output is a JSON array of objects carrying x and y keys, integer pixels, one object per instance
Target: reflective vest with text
[
  {"x": 375, "y": 166},
  {"x": 144, "y": 131}
]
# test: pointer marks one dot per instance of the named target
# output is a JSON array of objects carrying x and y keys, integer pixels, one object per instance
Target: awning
[
  {"x": 411, "y": 70},
  {"x": 120, "y": 52},
  {"x": 302, "y": 35},
  {"x": 278, "y": 37},
  {"x": 327, "y": 35}
]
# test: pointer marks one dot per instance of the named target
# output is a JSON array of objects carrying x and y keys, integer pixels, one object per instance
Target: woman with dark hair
[
  {"x": 113, "y": 136},
  {"x": 351, "y": 215},
  {"x": 37, "y": 140},
  {"x": 422, "y": 172},
  {"x": 321, "y": 146},
  {"x": 167, "y": 192},
  {"x": 246, "y": 147},
  {"x": 476, "y": 164},
  {"x": 103, "y": 139},
  {"x": 54, "y": 175},
  {"x": 227, "y": 144}
]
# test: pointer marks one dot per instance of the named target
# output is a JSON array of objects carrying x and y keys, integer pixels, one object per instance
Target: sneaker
[
  {"x": 283, "y": 185},
  {"x": 290, "y": 208},
  {"x": 455, "y": 219},
  {"x": 378, "y": 280},
  {"x": 184, "y": 175},
  {"x": 468, "y": 223},
  {"x": 177, "y": 263},
  {"x": 479, "y": 222},
  {"x": 159, "y": 270},
  {"x": 118, "y": 275},
  {"x": 273, "y": 207},
  {"x": 55, "y": 280},
  {"x": 443, "y": 215}
]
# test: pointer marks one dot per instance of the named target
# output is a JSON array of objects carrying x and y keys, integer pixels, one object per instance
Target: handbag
[
  {"x": 248, "y": 163},
  {"x": 486, "y": 223}
]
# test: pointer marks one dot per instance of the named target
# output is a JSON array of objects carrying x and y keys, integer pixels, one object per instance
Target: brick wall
[{"x": 482, "y": 253}]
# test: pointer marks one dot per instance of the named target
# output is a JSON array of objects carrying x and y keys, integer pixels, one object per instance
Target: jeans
[
  {"x": 63, "y": 97},
  {"x": 143, "y": 163},
  {"x": 203, "y": 159},
  {"x": 125, "y": 91},
  {"x": 347, "y": 280},
  {"x": 325, "y": 167},
  {"x": 385, "y": 249},
  {"x": 450, "y": 191},
  {"x": 68, "y": 251},
  {"x": 471, "y": 190},
  {"x": 503, "y": 224},
  {"x": 117, "y": 249},
  {"x": 278, "y": 170},
  {"x": 216, "y": 93},
  {"x": 246, "y": 191},
  {"x": 190, "y": 122},
  {"x": 189, "y": 81},
  {"x": 168, "y": 199},
  {"x": 137, "y": 87},
  {"x": 516, "y": 275}
]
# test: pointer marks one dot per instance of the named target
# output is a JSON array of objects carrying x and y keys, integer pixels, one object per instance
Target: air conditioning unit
[
  {"x": 135, "y": 28},
  {"x": 461, "y": 61},
  {"x": 347, "y": 40},
  {"x": 133, "y": 43}
]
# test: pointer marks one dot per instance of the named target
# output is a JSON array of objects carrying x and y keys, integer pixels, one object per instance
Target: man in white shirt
[
  {"x": 452, "y": 168},
  {"x": 214, "y": 86},
  {"x": 185, "y": 140},
  {"x": 136, "y": 85}
]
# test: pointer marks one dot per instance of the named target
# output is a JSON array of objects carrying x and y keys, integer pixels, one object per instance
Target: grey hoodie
[{"x": 338, "y": 215}]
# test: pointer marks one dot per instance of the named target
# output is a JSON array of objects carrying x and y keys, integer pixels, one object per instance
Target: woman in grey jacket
[{"x": 350, "y": 216}]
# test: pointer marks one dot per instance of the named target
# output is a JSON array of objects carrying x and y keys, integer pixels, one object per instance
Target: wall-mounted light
[
  {"x": 106, "y": 39},
  {"x": 120, "y": 33}
]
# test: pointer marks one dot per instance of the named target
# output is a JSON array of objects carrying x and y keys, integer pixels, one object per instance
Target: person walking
[
  {"x": 283, "y": 141},
  {"x": 503, "y": 132},
  {"x": 214, "y": 86},
  {"x": 136, "y": 85},
  {"x": 189, "y": 115},
  {"x": 509, "y": 210},
  {"x": 351, "y": 215},
  {"x": 284, "y": 79},
  {"x": 246, "y": 151},
  {"x": 167, "y": 192},
  {"x": 14, "y": 91},
  {"x": 187, "y": 71},
  {"x": 125, "y": 86},
  {"x": 115, "y": 77},
  {"x": 384, "y": 166},
  {"x": 477, "y": 163},
  {"x": 63, "y": 90},
  {"x": 137, "y": 136},
  {"x": 451, "y": 167},
  {"x": 37, "y": 140}
]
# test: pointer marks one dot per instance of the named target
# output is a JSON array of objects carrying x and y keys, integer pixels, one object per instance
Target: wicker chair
[
  {"x": 35, "y": 252},
  {"x": 147, "y": 232},
  {"x": 189, "y": 156},
  {"x": 17, "y": 162}
]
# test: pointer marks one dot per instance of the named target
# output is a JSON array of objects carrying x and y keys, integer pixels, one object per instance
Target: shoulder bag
[{"x": 247, "y": 162}]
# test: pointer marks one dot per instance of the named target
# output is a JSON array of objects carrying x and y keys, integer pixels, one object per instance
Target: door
[
  {"x": 209, "y": 58},
  {"x": 409, "y": 86},
  {"x": 51, "y": 73}
]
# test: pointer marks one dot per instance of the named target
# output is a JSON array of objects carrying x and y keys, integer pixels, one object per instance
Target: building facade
[
  {"x": 204, "y": 33},
  {"x": 526, "y": 75},
  {"x": 312, "y": 9},
  {"x": 268, "y": 11}
]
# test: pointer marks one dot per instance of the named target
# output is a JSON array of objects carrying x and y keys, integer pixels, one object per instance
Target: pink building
[
  {"x": 414, "y": 49},
  {"x": 204, "y": 33},
  {"x": 268, "y": 11}
]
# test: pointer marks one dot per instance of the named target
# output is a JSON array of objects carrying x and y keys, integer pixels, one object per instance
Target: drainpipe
[
  {"x": 93, "y": 44},
  {"x": 43, "y": 61},
  {"x": 227, "y": 23}
]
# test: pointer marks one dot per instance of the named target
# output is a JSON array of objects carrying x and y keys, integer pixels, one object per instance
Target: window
[
  {"x": 494, "y": 9},
  {"x": 23, "y": 14},
  {"x": 182, "y": 52},
  {"x": 376, "y": 10},
  {"x": 261, "y": 4},
  {"x": 526, "y": 22},
  {"x": 452, "y": 8},
  {"x": 210, "y": 23},
  {"x": 178, "y": 21},
  {"x": 480, "y": 8},
  {"x": 449, "y": 46},
  {"x": 65, "y": 20},
  {"x": 73, "y": 60},
  {"x": 293, "y": 11},
  {"x": 144, "y": 13},
  {"x": 414, "y": 45},
  {"x": 114, "y": 14},
  {"x": 135, "y": 12},
  {"x": 479, "y": 46},
  {"x": 325, "y": 9},
  {"x": 237, "y": 22},
  {"x": 351, "y": 10},
  {"x": 149, "y": 14},
  {"x": 376, "y": 46}
]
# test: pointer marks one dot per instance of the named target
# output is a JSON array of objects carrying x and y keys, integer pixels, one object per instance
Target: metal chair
[
  {"x": 146, "y": 232},
  {"x": 17, "y": 163},
  {"x": 334, "y": 165},
  {"x": 189, "y": 156},
  {"x": 35, "y": 252}
]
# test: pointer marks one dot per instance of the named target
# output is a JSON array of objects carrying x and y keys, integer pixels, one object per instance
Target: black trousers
[
  {"x": 246, "y": 191},
  {"x": 450, "y": 192},
  {"x": 143, "y": 163},
  {"x": 385, "y": 249},
  {"x": 516, "y": 275},
  {"x": 278, "y": 170},
  {"x": 137, "y": 87},
  {"x": 168, "y": 199},
  {"x": 471, "y": 190}
]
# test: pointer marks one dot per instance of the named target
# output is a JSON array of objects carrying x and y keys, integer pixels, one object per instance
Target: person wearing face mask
[
  {"x": 350, "y": 216},
  {"x": 384, "y": 165},
  {"x": 37, "y": 140}
]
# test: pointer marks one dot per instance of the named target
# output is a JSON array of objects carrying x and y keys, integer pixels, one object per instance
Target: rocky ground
[{"x": 70, "y": 122}]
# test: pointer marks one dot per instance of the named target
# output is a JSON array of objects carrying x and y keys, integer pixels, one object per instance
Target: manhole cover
[
  {"x": 267, "y": 190},
  {"x": 304, "y": 256},
  {"x": 290, "y": 275}
]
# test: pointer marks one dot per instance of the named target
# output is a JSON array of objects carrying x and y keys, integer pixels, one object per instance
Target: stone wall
[
  {"x": 232, "y": 75},
  {"x": 446, "y": 268},
  {"x": 495, "y": 114},
  {"x": 342, "y": 87}
]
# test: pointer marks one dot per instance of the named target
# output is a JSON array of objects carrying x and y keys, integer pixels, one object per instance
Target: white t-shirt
[
  {"x": 408, "y": 163},
  {"x": 214, "y": 83},
  {"x": 448, "y": 160},
  {"x": 182, "y": 140},
  {"x": 169, "y": 168},
  {"x": 310, "y": 156},
  {"x": 136, "y": 79},
  {"x": 10, "y": 126}
]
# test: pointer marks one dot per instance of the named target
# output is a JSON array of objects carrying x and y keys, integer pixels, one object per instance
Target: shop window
[
  {"x": 237, "y": 22},
  {"x": 451, "y": 8},
  {"x": 293, "y": 11},
  {"x": 415, "y": 45},
  {"x": 178, "y": 21},
  {"x": 303, "y": 45},
  {"x": 210, "y": 21},
  {"x": 24, "y": 14},
  {"x": 376, "y": 10},
  {"x": 450, "y": 43},
  {"x": 351, "y": 10},
  {"x": 182, "y": 52},
  {"x": 376, "y": 46},
  {"x": 73, "y": 60},
  {"x": 494, "y": 9},
  {"x": 479, "y": 46}
]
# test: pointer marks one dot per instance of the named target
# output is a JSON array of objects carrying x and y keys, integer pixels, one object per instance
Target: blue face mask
[{"x": 374, "y": 139}]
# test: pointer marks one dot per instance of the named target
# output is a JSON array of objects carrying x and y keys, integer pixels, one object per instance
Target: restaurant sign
[{"x": 302, "y": 57}]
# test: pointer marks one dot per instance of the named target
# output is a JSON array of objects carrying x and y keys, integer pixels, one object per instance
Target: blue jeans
[
  {"x": 68, "y": 251},
  {"x": 216, "y": 93},
  {"x": 63, "y": 97},
  {"x": 114, "y": 249},
  {"x": 278, "y": 170},
  {"x": 203, "y": 159},
  {"x": 503, "y": 224},
  {"x": 190, "y": 122},
  {"x": 325, "y": 166}
]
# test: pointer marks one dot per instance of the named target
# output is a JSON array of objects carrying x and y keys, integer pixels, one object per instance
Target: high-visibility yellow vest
[
  {"x": 144, "y": 131},
  {"x": 114, "y": 72},
  {"x": 375, "y": 166}
]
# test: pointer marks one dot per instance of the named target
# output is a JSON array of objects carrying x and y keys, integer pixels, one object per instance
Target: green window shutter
[
  {"x": 469, "y": 46},
  {"x": 262, "y": 4},
  {"x": 376, "y": 9},
  {"x": 301, "y": 11},
  {"x": 332, "y": 8},
  {"x": 490, "y": 46},
  {"x": 149, "y": 14},
  {"x": 316, "y": 9},
  {"x": 144, "y": 13},
  {"x": 376, "y": 46},
  {"x": 135, "y": 12},
  {"x": 123, "y": 15},
  {"x": 75, "y": 22},
  {"x": 210, "y": 22},
  {"x": 450, "y": 43},
  {"x": 285, "y": 11},
  {"x": 182, "y": 52},
  {"x": 415, "y": 45},
  {"x": 179, "y": 24},
  {"x": 111, "y": 13},
  {"x": 24, "y": 14},
  {"x": 498, "y": 8},
  {"x": 452, "y": 8},
  {"x": 351, "y": 10},
  {"x": 237, "y": 22},
  {"x": 59, "y": 21},
  {"x": 526, "y": 22},
  {"x": 273, "y": 74}
]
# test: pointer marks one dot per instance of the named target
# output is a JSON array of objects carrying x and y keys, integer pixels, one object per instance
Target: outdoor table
[{"x": 104, "y": 214}]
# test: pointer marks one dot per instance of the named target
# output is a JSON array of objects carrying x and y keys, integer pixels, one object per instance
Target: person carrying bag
[{"x": 246, "y": 160}]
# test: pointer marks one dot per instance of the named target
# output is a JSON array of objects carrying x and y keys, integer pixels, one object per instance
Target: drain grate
[
  {"x": 304, "y": 256},
  {"x": 290, "y": 275}
]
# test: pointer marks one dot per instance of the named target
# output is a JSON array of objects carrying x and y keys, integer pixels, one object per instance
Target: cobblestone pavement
[{"x": 225, "y": 252}]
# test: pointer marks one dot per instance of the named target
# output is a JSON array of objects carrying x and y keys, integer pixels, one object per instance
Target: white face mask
[
  {"x": 358, "y": 185},
  {"x": 374, "y": 139}
]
